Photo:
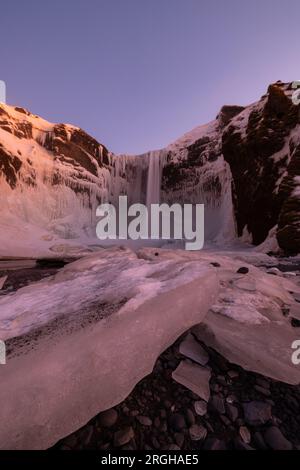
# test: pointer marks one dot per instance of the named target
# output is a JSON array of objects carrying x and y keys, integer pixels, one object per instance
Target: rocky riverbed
[{"x": 245, "y": 411}]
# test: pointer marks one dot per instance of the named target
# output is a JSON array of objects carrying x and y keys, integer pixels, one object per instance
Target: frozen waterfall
[{"x": 154, "y": 177}]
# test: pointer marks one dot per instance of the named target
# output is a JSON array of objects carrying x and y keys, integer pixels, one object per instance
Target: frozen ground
[
  {"x": 87, "y": 334},
  {"x": 79, "y": 341}
]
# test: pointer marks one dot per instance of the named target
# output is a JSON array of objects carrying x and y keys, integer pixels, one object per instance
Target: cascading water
[
  {"x": 154, "y": 178},
  {"x": 215, "y": 193}
]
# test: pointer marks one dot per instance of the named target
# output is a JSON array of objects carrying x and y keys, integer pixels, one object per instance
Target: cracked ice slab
[
  {"x": 247, "y": 323},
  {"x": 194, "y": 377},
  {"x": 191, "y": 349},
  {"x": 79, "y": 341}
]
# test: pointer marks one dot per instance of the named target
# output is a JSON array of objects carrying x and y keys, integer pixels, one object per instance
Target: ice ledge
[{"x": 67, "y": 376}]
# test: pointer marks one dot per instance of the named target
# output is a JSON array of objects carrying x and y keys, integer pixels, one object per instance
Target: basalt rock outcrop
[{"x": 261, "y": 146}]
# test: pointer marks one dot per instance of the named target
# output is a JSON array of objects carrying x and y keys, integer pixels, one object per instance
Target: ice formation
[
  {"x": 79, "y": 342},
  {"x": 51, "y": 185}
]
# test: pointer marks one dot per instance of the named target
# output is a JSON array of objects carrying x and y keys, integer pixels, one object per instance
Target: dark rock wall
[{"x": 260, "y": 199}]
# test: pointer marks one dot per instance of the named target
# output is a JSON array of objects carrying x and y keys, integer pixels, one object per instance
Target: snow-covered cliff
[{"x": 244, "y": 166}]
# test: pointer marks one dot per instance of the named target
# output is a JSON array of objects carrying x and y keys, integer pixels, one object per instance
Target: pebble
[
  {"x": 144, "y": 420},
  {"x": 179, "y": 438},
  {"x": 217, "y": 404},
  {"x": 123, "y": 436},
  {"x": 262, "y": 390},
  {"x": 262, "y": 382},
  {"x": 241, "y": 445},
  {"x": 200, "y": 407},
  {"x": 85, "y": 435},
  {"x": 164, "y": 427},
  {"x": 155, "y": 443},
  {"x": 173, "y": 447},
  {"x": 108, "y": 418},
  {"x": 292, "y": 402},
  {"x": 225, "y": 420},
  {"x": 197, "y": 432},
  {"x": 259, "y": 442},
  {"x": 157, "y": 422},
  {"x": 177, "y": 422},
  {"x": 221, "y": 379},
  {"x": 276, "y": 440},
  {"x": 245, "y": 434},
  {"x": 232, "y": 412},
  {"x": 71, "y": 441},
  {"x": 189, "y": 417},
  {"x": 257, "y": 413},
  {"x": 214, "y": 444},
  {"x": 215, "y": 388}
]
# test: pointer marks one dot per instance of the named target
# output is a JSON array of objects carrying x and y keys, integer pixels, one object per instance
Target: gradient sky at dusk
[{"x": 137, "y": 74}]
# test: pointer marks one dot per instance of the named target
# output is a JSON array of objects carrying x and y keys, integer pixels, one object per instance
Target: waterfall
[
  {"x": 140, "y": 178},
  {"x": 154, "y": 178}
]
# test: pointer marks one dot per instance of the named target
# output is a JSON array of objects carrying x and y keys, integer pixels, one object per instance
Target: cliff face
[
  {"x": 52, "y": 178},
  {"x": 255, "y": 150},
  {"x": 262, "y": 145},
  {"x": 244, "y": 166}
]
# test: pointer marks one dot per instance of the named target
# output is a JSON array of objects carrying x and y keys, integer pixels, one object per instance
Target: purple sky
[{"x": 137, "y": 74}]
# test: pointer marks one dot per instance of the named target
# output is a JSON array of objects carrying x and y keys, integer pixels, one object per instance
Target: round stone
[
  {"x": 245, "y": 434},
  {"x": 108, "y": 418},
  {"x": 197, "y": 432},
  {"x": 276, "y": 440},
  {"x": 200, "y": 407},
  {"x": 190, "y": 418},
  {"x": 177, "y": 422},
  {"x": 144, "y": 420},
  {"x": 123, "y": 436}
]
